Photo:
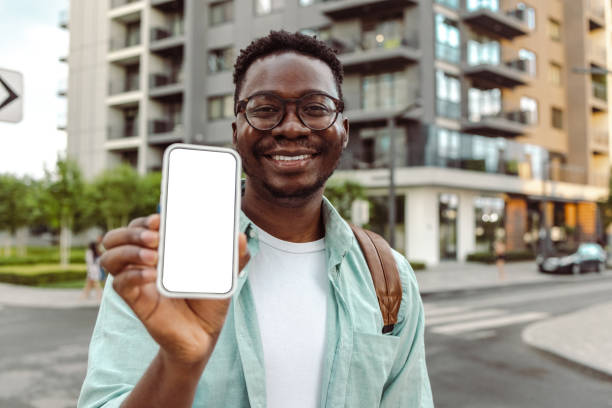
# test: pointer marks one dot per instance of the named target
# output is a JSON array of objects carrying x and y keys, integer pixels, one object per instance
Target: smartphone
[{"x": 199, "y": 209}]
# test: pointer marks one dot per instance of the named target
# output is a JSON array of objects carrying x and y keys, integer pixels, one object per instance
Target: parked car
[{"x": 588, "y": 257}]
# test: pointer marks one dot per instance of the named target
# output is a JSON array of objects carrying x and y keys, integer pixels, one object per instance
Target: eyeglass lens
[{"x": 317, "y": 111}]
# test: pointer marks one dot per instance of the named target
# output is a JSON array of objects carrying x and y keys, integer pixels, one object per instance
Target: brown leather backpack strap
[{"x": 385, "y": 275}]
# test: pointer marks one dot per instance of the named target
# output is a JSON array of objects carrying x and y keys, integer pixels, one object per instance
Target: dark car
[{"x": 588, "y": 257}]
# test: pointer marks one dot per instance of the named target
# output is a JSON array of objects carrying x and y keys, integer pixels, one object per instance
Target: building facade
[{"x": 495, "y": 111}]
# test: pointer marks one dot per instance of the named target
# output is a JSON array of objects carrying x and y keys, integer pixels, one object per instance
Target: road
[
  {"x": 476, "y": 357},
  {"x": 475, "y": 354}
]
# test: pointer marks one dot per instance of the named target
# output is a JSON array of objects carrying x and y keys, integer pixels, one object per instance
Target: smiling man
[{"x": 304, "y": 326}]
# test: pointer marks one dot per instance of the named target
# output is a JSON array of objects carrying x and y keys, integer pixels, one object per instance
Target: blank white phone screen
[{"x": 199, "y": 221}]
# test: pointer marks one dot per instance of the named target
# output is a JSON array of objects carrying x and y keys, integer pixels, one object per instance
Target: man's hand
[{"x": 186, "y": 329}]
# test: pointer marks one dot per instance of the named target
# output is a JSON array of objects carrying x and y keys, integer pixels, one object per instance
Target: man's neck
[{"x": 301, "y": 223}]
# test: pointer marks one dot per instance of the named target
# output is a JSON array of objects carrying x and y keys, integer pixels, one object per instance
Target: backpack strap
[{"x": 385, "y": 275}]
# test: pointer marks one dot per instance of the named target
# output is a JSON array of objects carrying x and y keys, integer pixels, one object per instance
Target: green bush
[
  {"x": 43, "y": 255},
  {"x": 37, "y": 275},
  {"x": 417, "y": 265},
  {"x": 510, "y": 256}
]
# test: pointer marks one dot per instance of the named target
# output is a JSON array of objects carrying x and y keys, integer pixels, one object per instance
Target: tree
[
  {"x": 342, "y": 195},
  {"x": 117, "y": 193},
  {"x": 63, "y": 201},
  {"x": 149, "y": 192},
  {"x": 15, "y": 207}
]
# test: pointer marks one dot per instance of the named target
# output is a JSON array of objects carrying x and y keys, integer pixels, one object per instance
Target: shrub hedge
[
  {"x": 510, "y": 256},
  {"x": 77, "y": 256},
  {"x": 37, "y": 275}
]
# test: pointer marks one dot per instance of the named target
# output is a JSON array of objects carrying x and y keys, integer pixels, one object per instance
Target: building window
[
  {"x": 220, "y": 60},
  {"x": 448, "y": 206},
  {"x": 221, "y": 12},
  {"x": 320, "y": 33},
  {"x": 489, "y": 214},
  {"x": 384, "y": 91},
  {"x": 557, "y": 118},
  {"x": 554, "y": 73},
  {"x": 530, "y": 107},
  {"x": 529, "y": 59},
  {"x": 529, "y": 14},
  {"x": 473, "y": 5},
  {"x": 483, "y": 51},
  {"x": 376, "y": 147},
  {"x": 483, "y": 103},
  {"x": 221, "y": 107},
  {"x": 387, "y": 33},
  {"x": 263, "y": 7},
  {"x": 554, "y": 30},
  {"x": 449, "y": 3},
  {"x": 305, "y": 3},
  {"x": 447, "y": 39},
  {"x": 132, "y": 34},
  {"x": 448, "y": 95}
]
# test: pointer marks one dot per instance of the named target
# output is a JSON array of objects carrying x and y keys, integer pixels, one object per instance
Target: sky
[{"x": 31, "y": 44}]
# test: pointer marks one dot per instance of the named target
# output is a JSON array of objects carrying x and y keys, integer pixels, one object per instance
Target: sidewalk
[
  {"x": 456, "y": 276},
  {"x": 583, "y": 337},
  {"x": 27, "y": 296}
]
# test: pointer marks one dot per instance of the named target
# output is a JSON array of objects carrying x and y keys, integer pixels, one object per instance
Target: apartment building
[{"x": 496, "y": 111}]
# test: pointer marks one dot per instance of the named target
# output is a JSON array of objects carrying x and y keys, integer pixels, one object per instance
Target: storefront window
[
  {"x": 447, "y": 207},
  {"x": 489, "y": 218}
]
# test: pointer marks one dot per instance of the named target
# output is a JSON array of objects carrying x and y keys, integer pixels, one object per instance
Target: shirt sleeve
[
  {"x": 120, "y": 351},
  {"x": 408, "y": 384}
]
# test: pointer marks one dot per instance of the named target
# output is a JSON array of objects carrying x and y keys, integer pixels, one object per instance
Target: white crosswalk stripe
[{"x": 473, "y": 324}]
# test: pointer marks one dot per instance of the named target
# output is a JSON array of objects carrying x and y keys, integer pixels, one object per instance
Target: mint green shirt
[{"x": 362, "y": 367}]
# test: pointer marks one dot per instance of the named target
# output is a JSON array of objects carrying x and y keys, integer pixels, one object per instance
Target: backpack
[{"x": 385, "y": 275}]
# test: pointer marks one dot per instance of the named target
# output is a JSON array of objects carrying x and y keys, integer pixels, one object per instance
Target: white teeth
[{"x": 290, "y": 158}]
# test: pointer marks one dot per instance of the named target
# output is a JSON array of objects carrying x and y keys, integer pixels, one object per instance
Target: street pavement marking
[
  {"x": 432, "y": 311},
  {"x": 464, "y": 316},
  {"x": 479, "y": 335},
  {"x": 455, "y": 328}
]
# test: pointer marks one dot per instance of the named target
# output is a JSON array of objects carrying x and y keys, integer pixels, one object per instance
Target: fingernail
[
  {"x": 147, "y": 255},
  {"x": 150, "y": 237}
]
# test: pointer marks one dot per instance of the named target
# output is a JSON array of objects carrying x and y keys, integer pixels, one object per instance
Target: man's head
[{"x": 289, "y": 160}]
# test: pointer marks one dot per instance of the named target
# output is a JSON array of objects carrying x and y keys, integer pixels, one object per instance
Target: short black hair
[{"x": 283, "y": 41}]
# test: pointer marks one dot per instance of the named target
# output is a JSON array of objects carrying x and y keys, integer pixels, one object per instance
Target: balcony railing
[
  {"x": 600, "y": 91},
  {"x": 448, "y": 53},
  {"x": 454, "y": 4},
  {"x": 118, "y": 43},
  {"x": 174, "y": 30},
  {"x": 601, "y": 138},
  {"x": 119, "y": 3},
  {"x": 165, "y": 78},
  {"x": 448, "y": 109},
  {"x": 488, "y": 16},
  {"x": 159, "y": 126},
  {"x": 129, "y": 129},
  {"x": 597, "y": 8},
  {"x": 122, "y": 86}
]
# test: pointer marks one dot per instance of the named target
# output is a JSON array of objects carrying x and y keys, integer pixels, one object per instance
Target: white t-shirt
[{"x": 289, "y": 284}]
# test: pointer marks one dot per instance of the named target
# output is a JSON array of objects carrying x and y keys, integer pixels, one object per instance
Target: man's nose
[{"x": 291, "y": 125}]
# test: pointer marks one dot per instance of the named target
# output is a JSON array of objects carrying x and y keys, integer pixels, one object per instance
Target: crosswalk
[{"x": 472, "y": 322}]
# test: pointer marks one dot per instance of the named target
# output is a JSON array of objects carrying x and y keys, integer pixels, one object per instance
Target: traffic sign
[{"x": 11, "y": 96}]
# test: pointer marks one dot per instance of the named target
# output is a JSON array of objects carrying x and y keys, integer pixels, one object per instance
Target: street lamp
[{"x": 391, "y": 120}]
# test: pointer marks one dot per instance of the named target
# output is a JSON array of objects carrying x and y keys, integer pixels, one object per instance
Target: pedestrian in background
[
  {"x": 100, "y": 249},
  {"x": 92, "y": 259}
]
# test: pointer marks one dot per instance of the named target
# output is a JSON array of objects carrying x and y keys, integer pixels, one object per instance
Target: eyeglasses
[{"x": 265, "y": 111}]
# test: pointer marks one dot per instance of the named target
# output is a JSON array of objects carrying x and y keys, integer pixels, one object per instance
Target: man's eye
[
  {"x": 316, "y": 109},
  {"x": 264, "y": 110}
]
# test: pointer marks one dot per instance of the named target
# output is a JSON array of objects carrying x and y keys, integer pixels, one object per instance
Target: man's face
[{"x": 289, "y": 75}]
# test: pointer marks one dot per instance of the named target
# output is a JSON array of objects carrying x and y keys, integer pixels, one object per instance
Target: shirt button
[{"x": 252, "y": 233}]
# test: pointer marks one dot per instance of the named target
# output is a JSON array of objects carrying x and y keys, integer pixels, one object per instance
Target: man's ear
[
  {"x": 345, "y": 137},
  {"x": 234, "y": 134}
]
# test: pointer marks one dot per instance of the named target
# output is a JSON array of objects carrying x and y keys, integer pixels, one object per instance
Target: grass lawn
[{"x": 41, "y": 268}]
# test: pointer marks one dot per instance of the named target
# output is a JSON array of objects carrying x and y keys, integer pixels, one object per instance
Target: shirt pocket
[{"x": 371, "y": 361}]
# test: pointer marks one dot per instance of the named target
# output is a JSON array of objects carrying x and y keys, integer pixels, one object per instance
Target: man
[{"x": 304, "y": 327}]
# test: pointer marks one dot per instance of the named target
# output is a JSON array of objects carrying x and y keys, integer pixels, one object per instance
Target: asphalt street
[
  {"x": 476, "y": 357},
  {"x": 475, "y": 354}
]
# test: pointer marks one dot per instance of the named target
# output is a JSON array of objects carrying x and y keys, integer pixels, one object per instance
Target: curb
[{"x": 534, "y": 283}]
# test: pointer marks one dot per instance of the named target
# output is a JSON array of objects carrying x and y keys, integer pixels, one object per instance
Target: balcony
[
  {"x": 597, "y": 53},
  {"x": 509, "y": 24},
  {"x": 448, "y": 109},
  {"x": 167, "y": 5},
  {"x": 168, "y": 37},
  {"x": 165, "y": 84},
  {"x": 64, "y": 18},
  {"x": 502, "y": 124},
  {"x": 62, "y": 121},
  {"x": 343, "y": 9},
  {"x": 600, "y": 141},
  {"x": 488, "y": 70},
  {"x": 63, "y": 58},
  {"x": 123, "y": 42},
  {"x": 131, "y": 84},
  {"x": 163, "y": 131},
  {"x": 389, "y": 53},
  {"x": 127, "y": 130},
  {"x": 599, "y": 97},
  {"x": 120, "y": 3},
  {"x": 62, "y": 88},
  {"x": 596, "y": 13}
]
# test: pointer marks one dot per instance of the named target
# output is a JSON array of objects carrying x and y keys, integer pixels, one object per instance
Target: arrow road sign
[{"x": 11, "y": 96}]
